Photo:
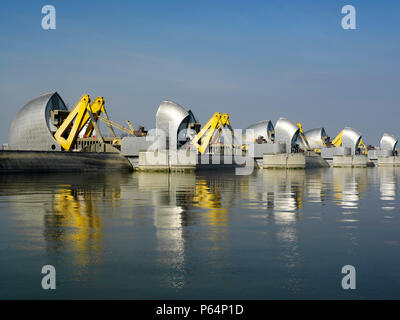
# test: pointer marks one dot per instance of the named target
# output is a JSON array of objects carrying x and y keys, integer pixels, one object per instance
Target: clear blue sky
[{"x": 255, "y": 60}]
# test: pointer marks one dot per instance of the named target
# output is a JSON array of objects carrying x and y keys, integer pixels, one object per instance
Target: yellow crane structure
[
  {"x": 215, "y": 124},
  {"x": 68, "y": 131},
  {"x": 107, "y": 121},
  {"x": 304, "y": 138},
  {"x": 88, "y": 113},
  {"x": 337, "y": 141}
]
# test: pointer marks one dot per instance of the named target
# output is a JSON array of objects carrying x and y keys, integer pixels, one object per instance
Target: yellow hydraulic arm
[
  {"x": 118, "y": 126},
  {"x": 67, "y": 133},
  {"x": 85, "y": 113},
  {"x": 300, "y": 127},
  {"x": 97, "y": 107},
  {"x": 75, "y": 121},
  {"x": 216, "y": 122},
  {"x": 305, "y": 141},
  {"x": 363, "y": 146},
  {"x": 337, "y": 142}
]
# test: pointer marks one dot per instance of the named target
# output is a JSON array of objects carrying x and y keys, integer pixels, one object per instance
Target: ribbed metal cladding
[
  {"x": 286, "y": 132},
  {"x": 388, "y": 142},
  {"x": 351, "y": 139},
  {"x": 169, "y": 118},
  {"x": 31, "y": 128},
  {"x": 263, "y": 129},
  {"x": 316, "y": 137}
]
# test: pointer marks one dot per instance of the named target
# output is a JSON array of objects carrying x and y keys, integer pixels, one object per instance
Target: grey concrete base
[
  {"x": 377, "y": 153},
  {"x": 188, "y": 160},
  {"x": 268, "y": 148},
  {"x": 355, "y": 161},
  {"x": 316, "y": 161},
  {"x": 131, "y": 146},
  {"x": 284, "y": 161},
  {"x": 57, "y": 161},
  {"x": 328, "y": 153},
  {"x": 392, "y": 161},
  {"x": 167, "y": 160}
]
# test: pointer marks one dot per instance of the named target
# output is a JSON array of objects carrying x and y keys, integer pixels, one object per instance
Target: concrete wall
[
  {"x": 131, "y": 146},
  {"x": 359, "y": 161},
  {"x": 393, "y": 161},
  {"x": 284, "y": 161},
  {"x": 268, "y": 148},
  {"x": 167, "y": 160},
  {"x": 40, "y": 161}
]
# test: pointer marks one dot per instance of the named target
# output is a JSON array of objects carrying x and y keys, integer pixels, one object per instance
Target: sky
[{"x": 255, "y": 60}]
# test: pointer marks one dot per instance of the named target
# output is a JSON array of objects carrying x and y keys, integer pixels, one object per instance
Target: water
[{"x": 270, "y": 235}]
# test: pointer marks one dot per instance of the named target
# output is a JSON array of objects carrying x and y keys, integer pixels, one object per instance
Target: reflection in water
[
  {"x": 278, "y": 190},
  {"x": 388, "y": 188},
  {"x": 169, "y": 212},
  {"x": 280, "y": 193},
  {"x": 207, "y": 196},
  {"x": 74, "y": 219},
  {"x": 348, "y": 185},
  {"x": 171, "y": 194},
  {"x": 64, "y": 214},
  {"x": 316, "y": 186}
]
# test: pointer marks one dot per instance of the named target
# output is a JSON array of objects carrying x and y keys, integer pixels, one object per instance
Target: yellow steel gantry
[
  {"x": 215, "y": 124},
  {"x": 85, "y": 113}
]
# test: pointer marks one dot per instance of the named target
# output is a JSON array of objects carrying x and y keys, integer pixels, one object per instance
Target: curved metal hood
[
  {"x": 171, "y": 119},
  {"x": 286, "y": 132},
  {"x": 264, "y": 129},
  {"x": 389, "y": 142},
  {"x": 31, "y": 128},
  {"x": 351, "y": 138},
  {"x": 316, "y": 137}
]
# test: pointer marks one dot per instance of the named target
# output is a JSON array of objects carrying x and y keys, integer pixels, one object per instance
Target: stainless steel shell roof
[
  {"x": 388, "y": 142},
  {"x": 31, "y": 128},
  {"x": 263, "y": 129},
  {"x": 169, "y": 119},
  {"x": 351, "y": 139},
  {"x": 316, "y": 137},
  {"x": 286, "y": 131}
]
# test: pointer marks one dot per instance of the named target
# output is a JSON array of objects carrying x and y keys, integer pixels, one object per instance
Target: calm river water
[{"x": 271, "y": 235}]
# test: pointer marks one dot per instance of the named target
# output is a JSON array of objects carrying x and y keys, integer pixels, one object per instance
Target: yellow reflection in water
[
  {"x": 209, "y": 198},
  {"x": 62, "y": 218},
  {"x": 75, "y": 213}
]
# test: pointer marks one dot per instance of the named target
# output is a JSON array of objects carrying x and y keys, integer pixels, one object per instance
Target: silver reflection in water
[
  {"x": 387, "y": 187},
  {"x": 348, "y": 186}
]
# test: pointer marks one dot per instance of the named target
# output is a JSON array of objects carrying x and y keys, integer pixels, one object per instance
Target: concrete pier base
[
  {"x": 188, "y": 160},
  {"x": 284, "y": 161},
  {"x": 350, "y": 161},
  {"x": 167, "y": 160},
  {"x": 392, "y": 161},
  {"x": 314, "y": 160},
  {"x": 57, "y": 161}
]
